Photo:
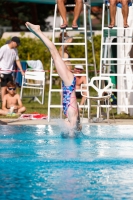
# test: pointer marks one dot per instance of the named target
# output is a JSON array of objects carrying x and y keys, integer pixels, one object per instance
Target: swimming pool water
[{"x": 37, "y": 163}]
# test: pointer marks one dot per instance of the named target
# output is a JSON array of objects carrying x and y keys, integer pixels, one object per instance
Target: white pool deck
[{"x": 54, "y": 122}]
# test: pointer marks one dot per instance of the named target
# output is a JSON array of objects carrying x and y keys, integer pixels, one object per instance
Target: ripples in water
[{"x": 37, "y": 163}]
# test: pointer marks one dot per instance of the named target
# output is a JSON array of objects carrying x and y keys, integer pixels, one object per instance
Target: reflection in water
[{"x": 37, "y": 163}]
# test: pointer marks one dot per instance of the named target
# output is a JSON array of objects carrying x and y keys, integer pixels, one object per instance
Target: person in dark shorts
[
  {"x": 78, "y": 95},
  {"x": 5, "y": 79},
  {"x": 8, "y": 55},
  {"x": 63, "y": 12}
]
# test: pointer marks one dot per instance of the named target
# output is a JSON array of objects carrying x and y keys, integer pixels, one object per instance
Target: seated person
[
  {"x": 125, "y": 11},
  {"x": 11, "y": 101},
  {"x": 80, "y": 80},
  {"x": 63, "y": 12}
]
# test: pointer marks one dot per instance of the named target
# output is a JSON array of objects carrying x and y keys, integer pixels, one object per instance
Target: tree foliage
[
  {"x": 34, "y": 49},
  {"x": 15, "y": 14}
]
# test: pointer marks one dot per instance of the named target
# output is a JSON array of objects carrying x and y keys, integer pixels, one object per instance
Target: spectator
[
  {"x": 125, "y": 11},
  {"x": 11, "y": 101},
  {"x": 8, "y": 54},
  {"x": 78, "y": 69},
  {"x": 63, "y": 12}
]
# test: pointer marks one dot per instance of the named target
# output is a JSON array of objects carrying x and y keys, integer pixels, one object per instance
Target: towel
[
  {"x": 35, "y": 64},
  {"x": 33, "y": 116}
]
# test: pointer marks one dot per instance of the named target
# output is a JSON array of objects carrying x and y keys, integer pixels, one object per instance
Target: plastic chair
[
  {"x": 34, "y": 81},
  {"x": 103, "y": 94}
]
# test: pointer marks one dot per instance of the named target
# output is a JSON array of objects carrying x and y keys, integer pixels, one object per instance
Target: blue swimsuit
[{"x": 67, "y": 91}]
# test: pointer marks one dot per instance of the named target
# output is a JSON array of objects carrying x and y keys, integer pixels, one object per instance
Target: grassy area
[{"x": 35, "y": 107}]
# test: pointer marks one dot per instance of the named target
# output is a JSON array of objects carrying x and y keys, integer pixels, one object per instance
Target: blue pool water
[{"x": 37, "y": 163}]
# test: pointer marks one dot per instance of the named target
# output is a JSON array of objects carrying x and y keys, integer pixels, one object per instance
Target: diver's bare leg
[{"x": 61, "y": 68}]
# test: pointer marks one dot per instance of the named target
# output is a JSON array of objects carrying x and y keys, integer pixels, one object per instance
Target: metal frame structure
[
  {"x": 93, "y": 3},
  {"x": 122, "y": 37}
]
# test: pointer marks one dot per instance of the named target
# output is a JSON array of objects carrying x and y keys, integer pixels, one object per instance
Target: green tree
[
  {"x": 15, "y": 14},
  {"x": 34, "y": 49}
]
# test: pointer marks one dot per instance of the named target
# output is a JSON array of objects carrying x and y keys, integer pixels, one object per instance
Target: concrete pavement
[{"x": 54, "y": 122}]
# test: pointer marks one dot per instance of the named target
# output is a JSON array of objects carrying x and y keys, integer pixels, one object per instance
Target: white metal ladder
[
  {"x": 83, "y": 61},
  {"x": 122, "y": 61}
]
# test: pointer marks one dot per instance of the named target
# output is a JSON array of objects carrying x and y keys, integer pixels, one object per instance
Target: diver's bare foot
[{"x": 32, "y": 27}]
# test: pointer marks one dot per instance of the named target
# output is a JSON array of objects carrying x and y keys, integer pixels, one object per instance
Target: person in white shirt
[{"x": 8, "y": 55}]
